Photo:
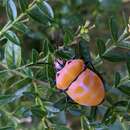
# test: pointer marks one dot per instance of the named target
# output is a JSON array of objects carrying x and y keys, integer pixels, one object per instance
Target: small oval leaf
[
  {"x": 23, "y": 4},
  {"x": 101, "y": 47},
  {"x": 84, "y": 50},
  {"x": 21, "y": 27},
  {"x": 5, "y": 99},
  {"x": 12, "y": 54},
  {"x": 12, "y": 37},
  {"x": 114, "y": 56},
  {"x": 113, "y": 28},
  {"x": 117, "y": 78},
  {"x": 49, "y": 106},
  {"x": 11, "y": 9},
  {"x": 125, "y": 88},
  {"x": 109, "y": 117},
  {"x": 46, "y": 8},
  {"x": 34, "y": 55},
  {"x": 38, "y": 13},
  {"x": 128, "y": 63}
]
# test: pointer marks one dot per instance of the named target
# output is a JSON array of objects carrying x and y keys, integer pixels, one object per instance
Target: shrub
[{"x": 36, "y": 32}]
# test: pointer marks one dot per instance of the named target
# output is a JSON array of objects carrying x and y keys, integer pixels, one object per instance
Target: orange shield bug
[{"x": 81, "y": 83}]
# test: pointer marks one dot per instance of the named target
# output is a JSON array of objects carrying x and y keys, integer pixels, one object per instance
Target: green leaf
[
  {"x": 60, "y": 104},
  {"x": 110, "y": 5},
  {"x": 58, "y": 127},
  {"x": 109, "y": 117},
  {"x": 85, "y": 125},
  {"x": 11, "y": 9},
  {"x": 49, "y": 106},
  {"x": 46, "y": 8},
  {"x": 125, "y": 88},
  {"x": 101, "y": 47},
  {"x": 74, "y": 111},
  {"x": 60, "y": 118},
  {"x": 12, "y": 37},
  {"x": 122, "y": 103},
  {"x": 93, "y": 113},
  {"x": 7, "y": 128},
  {"x": 20, "y": 83},
  {"x": 23, "y": 4},
  {"x": 12, "y": 54},
  {"x": 67, "y": 37},
  {"x": 20, "y": 87},
  {"x": 20, "y": 92},
  {"x": 28, "y": 72},
  {"x": 117, "y": 78},
  {"x": 113, "y": 28},
  {"x": 45, "y": 48},
  {"x": 84, "y": 50},
  {"x": 21, "y": 27},
  {"x": 38, "y": 112},
  {"x": 34, "y": 55},
  {"x": 124, "y": 44},
  {"x": 5, "y": 99},
  {"x": 114, "y": 56},
  {"x": 39, "y": 14},
  {"x": 30, "y": 95},
  {"x": 65, "y": 53},
  {"x": 128, "y": 106},
  {"x": 128, "y": 63},
  {"x": 50, "y": 72},
  {"x": 11, "y": 80}
]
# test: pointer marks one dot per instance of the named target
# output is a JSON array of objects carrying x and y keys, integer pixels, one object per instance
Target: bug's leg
[
  {"x": 101, "y": 101},
  {"x": 54, "y": 82},
  {"x": 68, "y": 98},
  {"x": 90, "y": 65},
  {"x": 74, "y": 57},
  {"x": 61, "y": 91},
  {"x": 93, "y": 113}
]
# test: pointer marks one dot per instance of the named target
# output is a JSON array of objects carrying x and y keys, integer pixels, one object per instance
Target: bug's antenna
[{"x": 59, "y": 64}]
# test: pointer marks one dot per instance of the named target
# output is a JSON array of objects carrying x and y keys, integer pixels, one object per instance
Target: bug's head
[
  {"x": 70, "y": 64},
  {"x": 59, "y": 64}
]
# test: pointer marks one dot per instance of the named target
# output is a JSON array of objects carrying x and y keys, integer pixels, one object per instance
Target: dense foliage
[{"x": 33, "y": 33}]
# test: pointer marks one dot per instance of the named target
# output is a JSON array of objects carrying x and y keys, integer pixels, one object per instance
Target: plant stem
[
  {"x": 81, "y": 123},
  {"x": 124, "y": 80},
  {"x": 98, "y": 61},
  {"x": 10, "y": 24},
  {"x": 37, "y": 99}
]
